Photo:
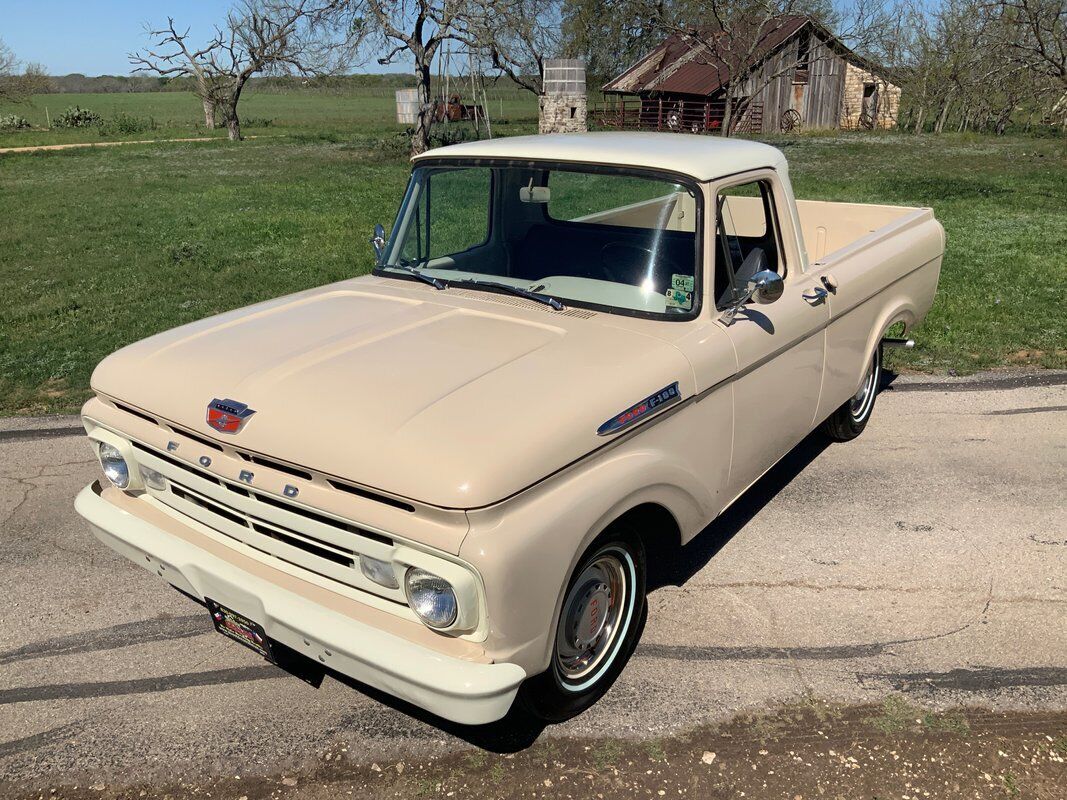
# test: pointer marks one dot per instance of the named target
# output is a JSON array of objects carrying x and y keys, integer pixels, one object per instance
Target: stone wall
[
  {"x": 852, "y": 103},
  {"x": 563, "y": 113}
]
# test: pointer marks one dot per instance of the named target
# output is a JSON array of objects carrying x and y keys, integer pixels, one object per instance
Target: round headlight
[
  {"x": 115, "y": 467},
  {"x": 430, "y": 597}
]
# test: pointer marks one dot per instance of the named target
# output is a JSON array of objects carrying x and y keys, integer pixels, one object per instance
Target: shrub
[
  {"x": 397, "y": 145},
  {"x": 76, "y": 117},
  {"x": 13, "y": 122},
  {"x": 127, "y": 123}
]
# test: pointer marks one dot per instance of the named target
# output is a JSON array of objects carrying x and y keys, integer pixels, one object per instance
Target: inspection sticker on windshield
[
  {"x": 683, "y": 283},
  {"x": 676, "y": 298}
]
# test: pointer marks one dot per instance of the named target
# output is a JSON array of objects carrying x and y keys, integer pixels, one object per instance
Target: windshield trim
[{"x": 688, "y": 181}]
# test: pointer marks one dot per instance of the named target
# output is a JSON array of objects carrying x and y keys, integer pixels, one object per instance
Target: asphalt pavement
[{"x": 928, "y": 558}]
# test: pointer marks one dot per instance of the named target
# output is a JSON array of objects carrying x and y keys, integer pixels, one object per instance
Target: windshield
[{"x": 610, "y": 239}]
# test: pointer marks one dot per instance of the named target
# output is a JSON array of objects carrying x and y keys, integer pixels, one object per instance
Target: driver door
[{"x": 780, "y": 347}]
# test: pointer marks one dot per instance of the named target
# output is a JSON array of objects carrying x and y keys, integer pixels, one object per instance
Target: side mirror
[
  {"x": 378, "y": 242},
  {"x": 765, "y": 287}
]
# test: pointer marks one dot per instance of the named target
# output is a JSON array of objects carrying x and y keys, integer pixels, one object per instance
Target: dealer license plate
[{"x": 240, "y": 628}]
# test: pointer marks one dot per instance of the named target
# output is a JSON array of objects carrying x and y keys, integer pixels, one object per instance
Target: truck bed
[{"x": 831, "y": 229}]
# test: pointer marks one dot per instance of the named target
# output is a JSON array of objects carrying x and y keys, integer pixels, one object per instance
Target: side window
[
  {"x": 458, "y": 214},
  {"x": 746, "y": 238}
]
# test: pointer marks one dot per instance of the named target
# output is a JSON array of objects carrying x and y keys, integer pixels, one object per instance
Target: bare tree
[
  {"x": 610, "y": 34},
  {"x": 1040, "y": 40},
  {"x": 271, "y": 37},
  {"x": 8, "y": 62},
  {"x": 184, "y": 62},
  {"x": 17, "y": 82},
  {"x": 1036, "y": 44},
  {"x": 516, "y": 36},
  {"x": 415, "y": 29},
  {"x": 978, "y": 65}
]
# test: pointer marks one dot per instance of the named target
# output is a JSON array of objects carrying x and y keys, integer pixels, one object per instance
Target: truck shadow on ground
[
  {"x": 518, "y": 730},
  {"x": 675, "y": 567}
]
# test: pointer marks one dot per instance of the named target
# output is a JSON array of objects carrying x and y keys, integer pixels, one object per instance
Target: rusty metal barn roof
[{"x": 681, "y": 66}]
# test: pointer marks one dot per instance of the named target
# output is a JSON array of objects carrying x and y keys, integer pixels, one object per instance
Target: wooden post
[
  {"x": 707, "y": 117},
  {"x": 659, "y": 116}
]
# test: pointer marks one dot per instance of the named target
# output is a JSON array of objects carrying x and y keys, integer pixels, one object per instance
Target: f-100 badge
[
  {"x": 654, "y": 402},
  {"x": 227, "y": 416}
]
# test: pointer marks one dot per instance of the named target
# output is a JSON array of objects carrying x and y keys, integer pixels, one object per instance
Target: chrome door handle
[{"x": 818, "y": 295}]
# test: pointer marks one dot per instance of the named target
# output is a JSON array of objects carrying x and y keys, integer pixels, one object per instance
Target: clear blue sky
[{"x": 93, "y": 36}]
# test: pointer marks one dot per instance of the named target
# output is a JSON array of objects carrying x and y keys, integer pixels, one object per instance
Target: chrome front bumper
[{"x": 465, "y": 691}]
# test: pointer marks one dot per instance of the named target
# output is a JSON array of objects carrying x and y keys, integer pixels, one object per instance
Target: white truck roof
[{"x": 701, "y": 157}]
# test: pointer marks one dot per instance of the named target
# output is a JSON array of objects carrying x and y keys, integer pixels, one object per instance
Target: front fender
[{"x": 526, "y": 548}]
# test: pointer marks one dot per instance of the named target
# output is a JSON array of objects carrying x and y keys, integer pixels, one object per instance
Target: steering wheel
[{"x": 629, "y": 259}]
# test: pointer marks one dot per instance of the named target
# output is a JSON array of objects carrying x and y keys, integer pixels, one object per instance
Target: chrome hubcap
[
  {"x": 592, "y": 613},
  {"x": 860, "y": 402}
]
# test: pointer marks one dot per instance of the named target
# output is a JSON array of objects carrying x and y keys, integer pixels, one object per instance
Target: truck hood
[{"x": 446, "y": 398}]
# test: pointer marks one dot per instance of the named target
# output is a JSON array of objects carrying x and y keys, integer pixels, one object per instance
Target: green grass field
[
  {"x": 178, "y": 114},
  {"x": 101, "y": 247}
]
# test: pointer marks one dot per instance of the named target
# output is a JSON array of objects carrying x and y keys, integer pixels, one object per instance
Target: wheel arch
[
  {"x": 901, "y": 311},
  {"x": 654, "y": 523},
  {"x": 530, "y": 547}
]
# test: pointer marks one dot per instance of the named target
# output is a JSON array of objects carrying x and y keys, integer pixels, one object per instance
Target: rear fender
[{"x": 907, "y": 301}]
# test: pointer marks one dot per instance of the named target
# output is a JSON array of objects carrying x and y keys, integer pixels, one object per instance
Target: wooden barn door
[{"x": 870, "y": 100}]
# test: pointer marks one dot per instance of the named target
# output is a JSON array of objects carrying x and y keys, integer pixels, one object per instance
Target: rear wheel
[
  {"x": 848, "y": 421},
  {"x": 597, "y": 629}
]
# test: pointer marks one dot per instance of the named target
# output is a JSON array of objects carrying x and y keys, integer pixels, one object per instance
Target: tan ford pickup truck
[{"x": 445, "y": 479}]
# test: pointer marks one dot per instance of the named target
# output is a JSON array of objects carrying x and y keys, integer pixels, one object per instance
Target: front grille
[
  {"x": 214, "y": 508},
  {"x": 304, "y": 538},
  {"x": 197, "y": 438},
  {"x": 136, "y": 413},
  {"x": 266, "y": 462},
  {"x": 345, "y": 558}
]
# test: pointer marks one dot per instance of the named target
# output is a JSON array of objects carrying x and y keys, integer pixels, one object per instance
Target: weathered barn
[{"x": 797, "y": 75}]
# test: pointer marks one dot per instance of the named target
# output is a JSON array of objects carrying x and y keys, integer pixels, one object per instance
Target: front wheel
[
  {"x": 848, "y": 421},
  {"x": 597, "y": 629}
]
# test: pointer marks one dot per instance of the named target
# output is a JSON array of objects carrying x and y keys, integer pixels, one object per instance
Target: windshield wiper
[
  {"x": 436, "y": 283},
  {"x": 507, "y": 287}
]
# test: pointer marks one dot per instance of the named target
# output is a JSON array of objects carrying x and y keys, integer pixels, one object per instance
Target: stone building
[
  {"x": 563, "y": 106},
  {"x": 799, "y": 76},
  {"x": 868, "y": 97}
]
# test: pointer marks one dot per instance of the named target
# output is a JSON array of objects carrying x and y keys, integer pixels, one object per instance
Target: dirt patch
[
  {"x": 804, "y": 751},
  {"x": 45, "y": 147}
]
